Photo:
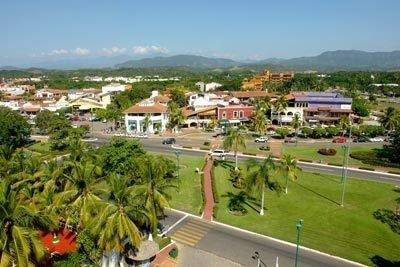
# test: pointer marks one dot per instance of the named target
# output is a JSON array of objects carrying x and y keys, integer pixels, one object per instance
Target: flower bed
[{"x": 327, "y": 151}]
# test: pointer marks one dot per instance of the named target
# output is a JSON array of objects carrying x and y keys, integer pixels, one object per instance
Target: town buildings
[
  {"x": 257, "y": 82},
  {"x": 148, "y": 116},
  {"x": 313, "y": 107},
  {"x": 205, "y": 87}
]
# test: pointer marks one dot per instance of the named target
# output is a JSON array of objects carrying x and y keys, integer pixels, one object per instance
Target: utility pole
[{"x": 256, "y": 256}]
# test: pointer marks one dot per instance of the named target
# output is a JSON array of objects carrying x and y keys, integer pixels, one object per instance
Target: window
[
  {"x": 235, "y": 114},
  {"x": 241, "y": 114},
  {"x": 224, "y": 114},
  {"x": 290, "y": 113}
]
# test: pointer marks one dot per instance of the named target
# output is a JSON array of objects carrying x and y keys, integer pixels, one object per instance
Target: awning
[{"x": 223, "y": 122}]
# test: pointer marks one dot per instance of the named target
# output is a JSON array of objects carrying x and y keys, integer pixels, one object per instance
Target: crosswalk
[{"x": 191, "y": 232}]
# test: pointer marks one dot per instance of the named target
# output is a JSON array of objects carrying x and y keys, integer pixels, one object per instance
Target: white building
[
  {"x": 157, "y": 112},
  {"x": 205, "y": 87},
  {"x": 113, "y": 87},
  {"x": 200, "y": 101}
]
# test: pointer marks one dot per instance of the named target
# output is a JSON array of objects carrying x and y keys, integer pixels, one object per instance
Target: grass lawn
[
  {"x": 311, "y": 153},
  {"x": 43, "y": 149},
  {"x": 188, "y": 197},
  {"x": 350, "y": 231}
]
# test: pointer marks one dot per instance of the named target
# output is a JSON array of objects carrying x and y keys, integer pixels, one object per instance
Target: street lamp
[
  {"x": 256, "y": 256},
  {"x": 345, "y": 164},
  {"x": 299, "y": 225},
  {"x": 177, "y": 154}
]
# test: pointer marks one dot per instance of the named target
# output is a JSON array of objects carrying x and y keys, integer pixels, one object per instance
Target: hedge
[
  {"x": 335, "y": 164},
  {"x": 327, "y": 151},
  {"x": 249, "y": 153},
  {"x": 186, "y": 146},
  {"x": 204, "y": 148},
  {"x": 305, "y": 160},
  {"x": 203, "y": 196},
  {"x": 366, "y": 168},
  {"x": 215, "y": 211},
  {"x": 214, "y": 186},
  {"x": 394, "y": 172},
  {"x": 372, "y": 158}
]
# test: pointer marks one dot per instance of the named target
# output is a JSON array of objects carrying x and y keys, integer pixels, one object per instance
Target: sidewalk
[
  {"x": 162, "y": 258},
  {"x": 208, "y": 208}
]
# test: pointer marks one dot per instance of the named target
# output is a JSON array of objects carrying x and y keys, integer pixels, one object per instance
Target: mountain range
[{"x": 326, "y": 61}]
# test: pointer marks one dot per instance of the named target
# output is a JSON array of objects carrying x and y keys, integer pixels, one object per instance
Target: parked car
[
  {"x": 144, "y": 136},
  {"x": 339, "y": 140},
  {"x": 261, "y": 139},
  {"x": 169, "y": 141},
  {"x": 377, "y": 139},
  {"x": 218, "y": 153},
  {"x": 290, "y": 140},
  {"x": 361, "y": 139}
]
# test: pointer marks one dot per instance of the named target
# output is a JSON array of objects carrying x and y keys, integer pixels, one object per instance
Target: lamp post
[
  {"x": 345, "y": 163},
  {"x": 256, "y": 256},
  {"x": 299, "y": 225},
  {"x": 177, "y": 154}
]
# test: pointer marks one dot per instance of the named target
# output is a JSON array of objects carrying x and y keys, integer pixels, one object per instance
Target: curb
[
  {"x": 301, "y": 162},
  {"x": 292, "y": 245}
]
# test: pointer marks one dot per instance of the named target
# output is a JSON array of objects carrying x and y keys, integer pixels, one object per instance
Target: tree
[
  {"x": 282, "y": 132},
  {"x": 280, "y": 106},
  {"x": 119, "y": 215},
  {"x": 147, "y": 122},
  {"x": 259, "y": 122},
  {"x": 14, "y": 130},
  {"x": 43, "y": 120},
  {"x": 392, "y": 150},
  {"x": 296, "y": 123},
  {"x": 236, "y": 201},
  {"x": 234, "y": 140},
  {"x": 259, "y": 177},
  {"x": 59, "y": 128},
  {"x": 288, "y": 166},
  {"x": 390, "y": 119},
  {"x": 82, "y": 191},
  {"x": 19, "y": 224},
  {"x": 360, "y": 107},
  {"x": 344, "y": 123},
  {"x": 176, "y": 117},
  {"x": 178, "y": 97},
  {"x": 153, "y": 186}
]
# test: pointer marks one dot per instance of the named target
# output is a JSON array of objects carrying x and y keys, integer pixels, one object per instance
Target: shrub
[
  {"x": 305, "y": 160},
  {"x": 327, "y": 151},
  {"x": 249, "y": 153},
  {"x": 373, "y": 158},
  {"x": 331, "y": 131},
  {"x": 186, "y": 146},
  {"x": 215, "y": 211},
  {"x": 206, "y": 143},
  {"x": 264, "y": 148},
  {"x": 163, "y": 242},
  {"x": 366, "y": 168},
  {"x": 319, "y": 132},
  {"x": 203, "y": 196},
  {"x": 282, "y": 132},
  {"x": 173, "y": 253},
  {"x": 306, "y": 131},
  {"x": 214, "y": 186}
]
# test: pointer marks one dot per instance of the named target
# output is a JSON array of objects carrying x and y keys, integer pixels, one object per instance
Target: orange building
[{"x": 257, "y": 82}]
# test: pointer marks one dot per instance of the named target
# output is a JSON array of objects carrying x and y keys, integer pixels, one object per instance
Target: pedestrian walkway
[
  {"x": 276, "y": 148},
  {"x": 208, "y": 193},
  {"x": 162, "y": 258},
  {"x": 191, "y": 232}
]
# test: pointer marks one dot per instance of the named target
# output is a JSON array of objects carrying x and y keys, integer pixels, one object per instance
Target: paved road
[
  {"x": 155, "y": 145},
  {"x": 238, "y": 246}
]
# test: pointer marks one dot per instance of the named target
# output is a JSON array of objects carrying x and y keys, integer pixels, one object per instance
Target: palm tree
[
  {"x": 236, "y": 201},
  {"x": 288, "y": 166},
  {"x": 147, "y": 122},
  {"x": 120, "y": 214},
  {"x": 152, "y": 188},
  {"x": 296, "y": 123},
  {"x": 234, "y": 140},
  {"x": 280, "y": 106},
  {"x": 176, "y": 117},
  {"x": 390, "y": 119},
  {"x": 82, "y": 190},
  {"x": 19, "y": 241},
  {"x": 344, "y": 123},
  {"x": 259, "y": 176},
  {"x": 259, "y": 121}
]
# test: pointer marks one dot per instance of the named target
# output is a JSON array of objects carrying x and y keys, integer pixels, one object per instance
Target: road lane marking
[{"x": 175, "y": 224}]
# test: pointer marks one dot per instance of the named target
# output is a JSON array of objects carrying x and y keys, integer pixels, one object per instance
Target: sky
[{"x": 234, "y": 29}]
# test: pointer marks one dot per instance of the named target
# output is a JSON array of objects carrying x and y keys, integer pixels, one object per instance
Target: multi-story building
[
  {"x": 205, "y": 87},
  {"x": 113, "y": 88},
  {"x": 235, "y": 113},
  {"x": 313, "y": 107},
  {"x": 156, "y": 111},
  {"x": 257, "y": 82}
]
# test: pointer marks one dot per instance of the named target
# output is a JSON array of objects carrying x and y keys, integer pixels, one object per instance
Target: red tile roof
[
  {"x": 249, "y": 94},
  {"x": 155, "y": 108}
]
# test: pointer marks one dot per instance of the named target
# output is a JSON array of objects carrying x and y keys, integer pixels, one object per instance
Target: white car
[
  {"x": 377, "y": 139},
  {"x": 218, "y": 153},
  {"x": 261, "y": 139}
]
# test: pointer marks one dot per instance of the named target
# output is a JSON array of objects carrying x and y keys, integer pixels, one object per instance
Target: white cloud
[
  {"x": 147, "y": 49},
  {"x": 81, "y": 51},
  {"x": 58, "y": 52},
  {"x": 114, "y": 50}
]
